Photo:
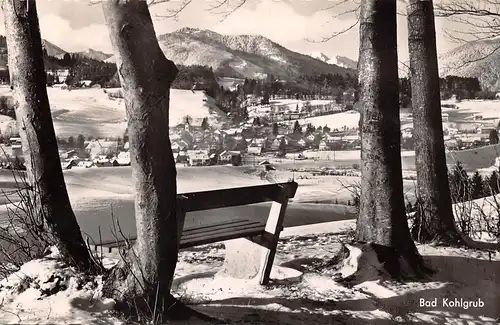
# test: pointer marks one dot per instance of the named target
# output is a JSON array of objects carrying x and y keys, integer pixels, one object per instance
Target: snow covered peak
[
  {"x": 341, "y": 61},
  {"x": 320, "y": 56}
]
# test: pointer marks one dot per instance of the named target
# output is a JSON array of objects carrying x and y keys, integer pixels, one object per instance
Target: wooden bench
[{"x": 263, "y": 233}]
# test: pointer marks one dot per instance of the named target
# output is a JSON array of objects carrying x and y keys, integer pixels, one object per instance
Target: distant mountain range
[
  {"x": 57, "y": 52},
  {"x": 475, "y": 59},
  {"x": 241, "y": 56},
  {"x": 95, "y": 55},
  {"x": 52, "y": 50},
  {"x": 255, "y": 56},
  {"x": 341, "y": 61}
]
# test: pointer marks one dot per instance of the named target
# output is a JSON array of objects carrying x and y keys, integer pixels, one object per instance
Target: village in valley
[
  {"x": 276, "y": 128},
  {"x": 267, "y": 178}
]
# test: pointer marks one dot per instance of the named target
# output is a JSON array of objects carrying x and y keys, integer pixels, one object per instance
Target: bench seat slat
[
  {"x": 204, "y": 227},
  {"x": 196, "y": 241},
  {"x": 220, "y": 226},
  {"x": 221, "y": 230},
  {"x": 211, "y": 233}
]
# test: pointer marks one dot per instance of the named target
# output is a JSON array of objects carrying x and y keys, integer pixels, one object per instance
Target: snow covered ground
[
  {"x": 92, "y": 112},
  {"x": 471, "y": 159},
  {"x": 348, "y": 120},
  {"x": 304, "y": 288},
  {"x": 489, "y": 109}
]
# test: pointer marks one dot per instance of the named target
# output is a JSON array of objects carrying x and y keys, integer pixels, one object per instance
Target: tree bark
[
  {"x": 141, "y": 282},
  {"x": 34, "y": 120},
  {"x": 434, "y": 220},
  {"x": 382, "y": 218}
]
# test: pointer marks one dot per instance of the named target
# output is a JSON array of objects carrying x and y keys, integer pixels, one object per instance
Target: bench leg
[{"x": 273, "y": 227}]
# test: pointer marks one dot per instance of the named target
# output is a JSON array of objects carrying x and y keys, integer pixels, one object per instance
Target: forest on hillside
[
  {"x": 81, "y": 68},
  {"x": 328, "y": 86}
]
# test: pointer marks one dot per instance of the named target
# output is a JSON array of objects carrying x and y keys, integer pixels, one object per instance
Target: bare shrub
[
  {"x": 476, "y": 205},
  {"x": 355, "y": 191},
  {"x": 24, "y": 232}
]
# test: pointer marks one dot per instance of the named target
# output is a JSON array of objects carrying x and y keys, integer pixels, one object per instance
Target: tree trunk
[
  {"x": 382, "y": 218},
  {"x": 141, "y": 282},
  {"x": 34, "y": 120},
  {"x": 434, "y": 221}
]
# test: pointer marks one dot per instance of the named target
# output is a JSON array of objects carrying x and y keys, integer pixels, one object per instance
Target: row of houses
[
  {"x": 205, "y": 158},
  {"x": 95, "y": 148}
]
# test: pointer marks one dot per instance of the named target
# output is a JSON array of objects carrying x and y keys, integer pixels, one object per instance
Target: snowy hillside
[
  {"x": 338, "y": 60},
  {"x": 251, "y": 56},
  {"x": 320, "y": 56},
  {"x": 475, "y": 59},
  {"x": 92, "y": 112},
  {"x": 95, "y": 55},
  {"x": 53, "y": 50}
]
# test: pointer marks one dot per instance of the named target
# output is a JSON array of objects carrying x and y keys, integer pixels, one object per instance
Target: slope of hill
[
  {"x": 240, "y": 56},
  {"x": 95, "y": 55},
  {"x": 53, "y": 50},
  {"x": 320, "y": 56},
  {"x": 338, "y": 60},
  {"x": 475, "y": 59},
  {"x": 92, "y": 112}
]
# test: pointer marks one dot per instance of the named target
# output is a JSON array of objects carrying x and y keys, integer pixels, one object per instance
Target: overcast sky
[{"x": 76, "y": 25}]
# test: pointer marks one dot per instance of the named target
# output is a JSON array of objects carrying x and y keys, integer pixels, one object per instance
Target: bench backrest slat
[{"x": 216, "y": 199}]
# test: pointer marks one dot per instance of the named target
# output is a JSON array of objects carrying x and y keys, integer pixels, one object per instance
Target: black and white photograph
[{"x": 250, "y": 162}]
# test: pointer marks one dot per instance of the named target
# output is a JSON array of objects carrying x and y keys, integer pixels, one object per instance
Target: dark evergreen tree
[
  {"x": 66, "y": 59},
  {"x": 493, "y": 136},
  {"x": 477, "y": 186},
  {"x": 493, "y": 183},
  {"x": 204, "y": 124},
  {"x": 297, "y": 129},
  {"x": 282, "y": 147},
  {"x": 275, "y": 129},
  {"x": 309, "y": 129}
]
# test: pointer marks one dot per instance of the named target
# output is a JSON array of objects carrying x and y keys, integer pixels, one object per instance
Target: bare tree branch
[
  {"x": 223, "y": 8},
  {"x": 230, "y": 8},
  {"x": 173, "y": 12},
  {"x": 478, "y": 21}
]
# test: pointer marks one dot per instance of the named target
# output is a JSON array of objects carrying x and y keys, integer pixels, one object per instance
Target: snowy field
[
  {"x": 293, "y": 103},
  {"x": 471, "y": 159},
  {"x": 305, "y": 288},
  {"x": 489, "y": 109},
  {"x": 90, "y": 187},
  {"x": 99, "y": 194},
  {"x": 92, "y": 113},
  {"x": 348, "y": 120}
]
